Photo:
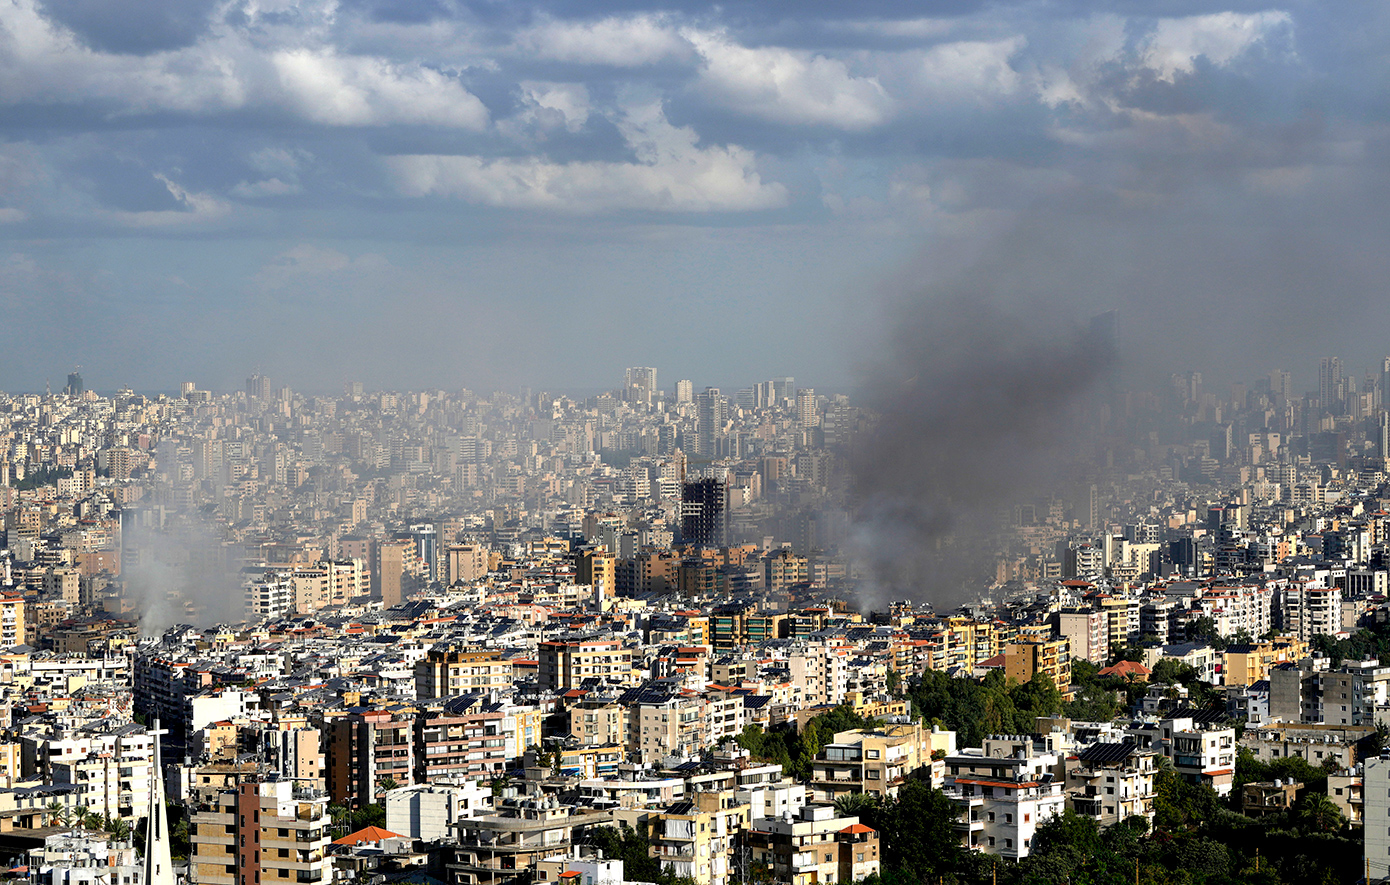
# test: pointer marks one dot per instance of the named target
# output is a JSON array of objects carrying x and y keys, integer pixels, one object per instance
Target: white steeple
[{"x": 159, "y": 870}]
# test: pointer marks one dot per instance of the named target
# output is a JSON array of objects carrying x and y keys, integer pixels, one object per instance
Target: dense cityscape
[{"x": 525, "y": 637}]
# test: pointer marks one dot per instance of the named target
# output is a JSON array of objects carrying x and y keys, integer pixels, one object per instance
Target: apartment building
[
  {"x": 874, "y": 762},
  {"x": 814, "y": 846},
  {"x": 444, "y": 674},
  {"x": 1109, "y": 782},
  {"x": 263, "y": 832},
  {"x": 1004, "y": 791},
  {"x": 563, "y": 665}
]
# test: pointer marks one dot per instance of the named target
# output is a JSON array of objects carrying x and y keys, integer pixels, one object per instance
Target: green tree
[{"x": 1319, "y": 813}]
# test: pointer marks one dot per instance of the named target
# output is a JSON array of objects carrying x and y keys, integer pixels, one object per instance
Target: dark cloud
[{"x": 137, "y": 27}]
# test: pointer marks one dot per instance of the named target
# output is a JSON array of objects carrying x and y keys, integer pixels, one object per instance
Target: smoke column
[
  {"x": 182, "y": 576},
  {"x": 978, "y": 407}
]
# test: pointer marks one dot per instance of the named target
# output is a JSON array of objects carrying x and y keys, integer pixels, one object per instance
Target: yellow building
[
  {"x": 1024, "y": 660},
  {"x": 597, "y": 567},
  {"x": 444, "y": 674},
  {"x": 1248, "y": 664}
]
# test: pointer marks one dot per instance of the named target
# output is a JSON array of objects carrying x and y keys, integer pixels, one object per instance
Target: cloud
[
  {"x": 43, "y": 62},
  {"x": 672, "y": 174},
  {"x": 337, "y": 90},
  {"x": 634, "y": 41},
  {"x": 1175, "y": 44},
  {"x": 193, "y": 208},
  {"x": 137, "y": 27},
  {"x": 787, "y": 86},
  {"x": 570, "y": 101}
]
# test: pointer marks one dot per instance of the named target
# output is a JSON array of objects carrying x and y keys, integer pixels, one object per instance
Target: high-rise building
[
  {"x": 703, "y": 513},
  {"x": 712, "y": 410},
  {"x": 427, "y": 549},
  {"x": 685, "y": 391},
  {"x": 259, "y": 830},
  {"x": 806, "y": 407},
  {"x": 388, "y": 572},
  {"x": 1331, "y": 384},
  {"x": 783, "y": 390},
  {"x": 258, "y": 387},
  {"x": 640, "y": 384},
  {"x": 75, "y": 386}
]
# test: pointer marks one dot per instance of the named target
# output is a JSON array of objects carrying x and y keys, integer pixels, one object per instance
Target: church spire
[{"x": 159, "y": 870}]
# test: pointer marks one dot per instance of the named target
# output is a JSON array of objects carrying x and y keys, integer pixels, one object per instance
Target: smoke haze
[{"x": 181, "y": 575}]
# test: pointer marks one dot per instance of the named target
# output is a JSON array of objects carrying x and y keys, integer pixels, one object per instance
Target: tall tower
[
  {"x": 1330, "y": 384},
  {"x": 806, "y": 407},
  {"x": 640, "y": 384},
  {"x": 159, "y": 870}
]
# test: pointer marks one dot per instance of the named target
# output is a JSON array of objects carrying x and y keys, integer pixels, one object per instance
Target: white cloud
[
  {"x": 619, "y": 42},
  {"x": 970, "y": 68},
  {"x": 1176, "y": 43},
  {"x": 198, "y": 208},
  {"x": 355, "y": 91},
  {"x": 787, "y": 86},
  {"x": 569, "y": 100},
  {"x": 44, "y": 63},
  {"x": 269, "y": 187},
  {"x": 672, "y": 174}
]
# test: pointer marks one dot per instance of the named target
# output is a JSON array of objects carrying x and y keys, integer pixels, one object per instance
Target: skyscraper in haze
[
  {"x": 640, "y": 384},
  {"x": 712, "y": 411},
  {"x": 783, "y": 389},
  {"x": 702, "y": 512},
  {"x": 75, "y": 386},
  {"x": 1331, "y": 381},
  {"x": 685, "y": 391},
  {"x": 258, "y": 387},
  {"x": 806, "y": 407}
]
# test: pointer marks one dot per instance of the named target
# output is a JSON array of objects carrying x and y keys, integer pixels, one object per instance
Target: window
[
  {"x": 871, "y": 754},
  {"x": 1008, "y": 818},
  {"x": 1008, "y": 843},
  {"x": 1027, "y": 817}
]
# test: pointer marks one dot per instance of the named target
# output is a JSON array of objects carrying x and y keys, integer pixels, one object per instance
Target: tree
[
  {"x": 854, "y": 804},
  {"x": 1319, "y": 813}
]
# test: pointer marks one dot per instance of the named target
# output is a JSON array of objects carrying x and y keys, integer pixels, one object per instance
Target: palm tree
[
  {"x": 1320, "y": 813},
  {"x": 854, "y": 804},
  {"x": 57, "y": 812}
]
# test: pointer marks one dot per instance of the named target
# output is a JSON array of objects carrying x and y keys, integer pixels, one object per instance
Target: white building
[
  {"x": 1005, "y": 790},
  {"x": 1376, "y": 811},
  {"x": 429, "y": 811}
]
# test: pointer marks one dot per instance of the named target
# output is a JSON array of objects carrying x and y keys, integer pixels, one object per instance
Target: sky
[{"x": 433, "y": 193}]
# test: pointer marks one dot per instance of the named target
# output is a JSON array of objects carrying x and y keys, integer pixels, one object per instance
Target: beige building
[
  {"x": 563, "y": 665},
  {"x": 696, "y": 838},
  {"x": 874, "y": 762},
  {"x": 260, "y": 832},
  {"x": 814, "y": 847},
  {"x": 1024, "y": 660},
  {"x": 445, "y": 674}
]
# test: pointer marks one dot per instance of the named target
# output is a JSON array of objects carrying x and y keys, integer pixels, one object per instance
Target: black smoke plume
[{"x": 978, "y": 407}]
